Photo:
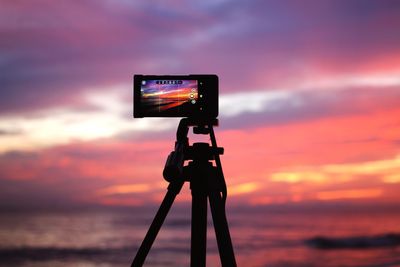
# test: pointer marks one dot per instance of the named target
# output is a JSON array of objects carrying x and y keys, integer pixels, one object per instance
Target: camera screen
[
  {"x": 192, "y": 96},
  {"x": 168, "y": 96}
]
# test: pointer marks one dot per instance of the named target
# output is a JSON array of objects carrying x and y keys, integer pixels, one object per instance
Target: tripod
[{"x": 206, "y": 181}]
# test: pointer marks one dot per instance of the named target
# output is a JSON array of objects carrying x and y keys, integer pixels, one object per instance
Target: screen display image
[{"x": 168, "y": 96}]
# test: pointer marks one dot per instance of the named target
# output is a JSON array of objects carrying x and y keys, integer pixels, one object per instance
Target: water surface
[{"x": 261, "y": 237}]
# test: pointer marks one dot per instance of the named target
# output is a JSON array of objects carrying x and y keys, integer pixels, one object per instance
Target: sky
[{"x": 309, "y": 98}]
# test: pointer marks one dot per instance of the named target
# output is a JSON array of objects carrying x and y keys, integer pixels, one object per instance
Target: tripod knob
[{"x": 219, "y": 151}]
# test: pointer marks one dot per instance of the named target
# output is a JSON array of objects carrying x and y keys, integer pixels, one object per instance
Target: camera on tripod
[{"x": 195, "y": 98}]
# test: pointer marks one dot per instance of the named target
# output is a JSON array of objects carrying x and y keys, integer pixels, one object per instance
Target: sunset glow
[{"x": 309, "y": 100}]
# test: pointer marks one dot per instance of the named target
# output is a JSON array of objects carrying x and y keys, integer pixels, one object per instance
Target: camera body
[{"x": 192, "y": 96}]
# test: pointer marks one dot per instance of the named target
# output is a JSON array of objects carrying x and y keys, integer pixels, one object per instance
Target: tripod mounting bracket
[{"x": 174, "y": 164}]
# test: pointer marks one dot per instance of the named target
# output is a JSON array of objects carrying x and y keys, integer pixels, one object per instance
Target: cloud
[
  {"x": 8, "y": 132},
  {"x": 108, "y": 112},
  {"x": 109, "y": 116},
  {"x": 261, "y": 164},
  {"x": 260, "y": 108},
  {"x": 301, "y": 86},
  {"x": 350, "y": 194},
  {"x": 244, "y": 188},
  {"x": 82, "y": 173},
  {"x": 387, "y": 169},
  {"x": 128, "y": 189},
  {"x": 59, "y": 51}
]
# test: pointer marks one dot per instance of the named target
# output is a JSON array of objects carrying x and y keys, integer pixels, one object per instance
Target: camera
[{"x": 192, "y": 96}]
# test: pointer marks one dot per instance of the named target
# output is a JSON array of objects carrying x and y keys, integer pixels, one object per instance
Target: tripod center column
[{"x": 199, "y": 169}]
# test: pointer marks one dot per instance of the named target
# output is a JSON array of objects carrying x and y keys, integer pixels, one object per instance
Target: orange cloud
[
  {"x": 242, "y": 188},
  {"x": 350, "y": 194},
  {"x": 319, "y": 174},
  {"x": 126, "y": 189},
  {"x": 296, "y": 177},
  {"x": 392, "y": 178}
]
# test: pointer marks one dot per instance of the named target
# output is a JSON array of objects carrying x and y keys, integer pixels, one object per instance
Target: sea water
[{"x": 262, "y": 236}]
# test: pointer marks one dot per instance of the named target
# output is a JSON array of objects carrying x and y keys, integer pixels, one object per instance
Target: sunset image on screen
[{"x": 161, "y": 96}]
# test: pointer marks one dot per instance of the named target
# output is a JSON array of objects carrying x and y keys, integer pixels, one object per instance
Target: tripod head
[{"x": 183, "y": 151}]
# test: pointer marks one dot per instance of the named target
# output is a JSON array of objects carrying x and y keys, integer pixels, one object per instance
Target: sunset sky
[{"x": 309, "y": 98}]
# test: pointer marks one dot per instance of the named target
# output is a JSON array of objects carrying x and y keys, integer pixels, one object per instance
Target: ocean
[{"x": 262, "y": 236}]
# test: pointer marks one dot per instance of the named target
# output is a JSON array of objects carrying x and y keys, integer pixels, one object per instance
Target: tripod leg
[
  {"x": 222, "y": 234},
  {"x": 199, "y": 228},
  {"x": 173, "y": 189}
]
